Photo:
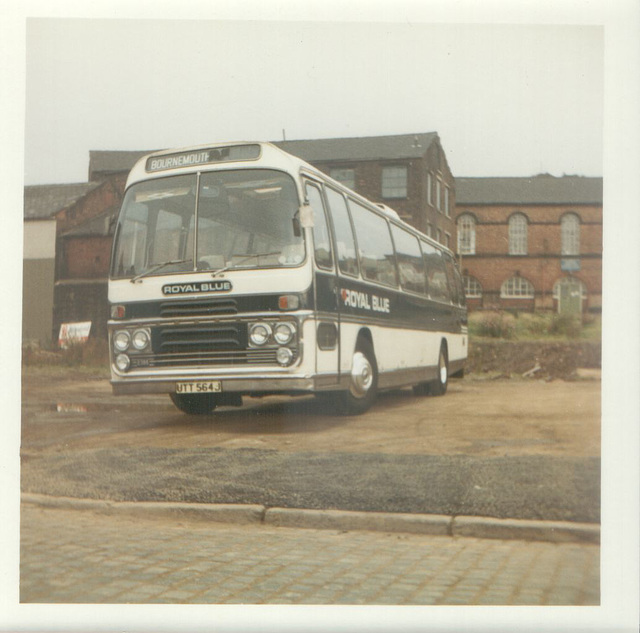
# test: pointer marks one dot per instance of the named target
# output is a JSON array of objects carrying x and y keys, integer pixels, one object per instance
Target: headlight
[
  {"x": 122, "y": 362},
  {"x": 260, "y": 333},
  {"x": 140, "y": 339},
  {"x": 121, "y": 340},
  {"x": 283, "y": 333}
]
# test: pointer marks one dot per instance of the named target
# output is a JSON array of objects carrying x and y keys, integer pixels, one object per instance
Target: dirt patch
[{"x": 533, "y": 358}]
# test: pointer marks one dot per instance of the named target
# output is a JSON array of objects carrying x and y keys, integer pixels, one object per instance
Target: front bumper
[{"x": 246, "y": 384}]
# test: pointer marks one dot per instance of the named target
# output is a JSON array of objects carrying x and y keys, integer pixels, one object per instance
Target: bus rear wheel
[
  {"x": 439, "y": 386},
  {"x": 195, "y": 404},
  {"x": 363, "y": 384}
]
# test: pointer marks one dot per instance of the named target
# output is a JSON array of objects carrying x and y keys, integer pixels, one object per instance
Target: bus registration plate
[{"x": 211, "y": 386}]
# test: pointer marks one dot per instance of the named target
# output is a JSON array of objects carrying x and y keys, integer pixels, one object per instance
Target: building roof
[
  {"x": 541, "y": 189},
  {"x": 360, "y": 148},
  {"x": 394, "y": 147},
  {"x": 41, "y": 202}
]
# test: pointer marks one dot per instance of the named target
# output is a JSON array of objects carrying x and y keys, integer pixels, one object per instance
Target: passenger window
[
  {"x": 377, "y": 257},
  {"x": 436, "y": 274},
  {"x": 451, "y": 278},
  {"x": 410, "y": 262},
  {"x": 321, "y": 238},
  {"x": 345, "y": 242}
]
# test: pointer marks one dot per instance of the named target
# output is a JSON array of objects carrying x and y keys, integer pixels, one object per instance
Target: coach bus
[{"x": 239, "y": 269}]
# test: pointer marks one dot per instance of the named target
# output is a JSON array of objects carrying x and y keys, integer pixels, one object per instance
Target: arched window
[
  {"x": 472, "y": 287},
  {"x": 466, "y": 234},
  {"x": 518, "y": 234},
  {"x": 569, "y": 281},
  {"x": 516, "y": 288},
  {"x": 570, "y": 232}
]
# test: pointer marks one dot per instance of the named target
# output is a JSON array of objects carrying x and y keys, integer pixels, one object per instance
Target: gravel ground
[{"x": 523, "y": 487}]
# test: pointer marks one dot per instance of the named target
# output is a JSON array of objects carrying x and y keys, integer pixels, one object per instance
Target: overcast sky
[{"x": 506, "y": 100}]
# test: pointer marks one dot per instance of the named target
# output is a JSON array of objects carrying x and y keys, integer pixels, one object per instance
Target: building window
[
  {"x": 466, "y": 234},
  {"x": 518, "y": 234},
  {"x": 516, "y": 288},
  {"x": 447, "y": 210},
  {"x": 345, "y": 176},
  {"x": 429, "y": 192},
  {"x": 472, "y": 287},
  {"x": 439, "y": 236},
  {"x": 438, "y": 193},
  {"x": 394, "y": 182},
  {"x": 570, "y": 232},
  {"x": 447, "y": 239}
]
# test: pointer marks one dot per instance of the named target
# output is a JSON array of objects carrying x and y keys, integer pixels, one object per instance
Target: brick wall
[
  {"x": 87, "y": 257},
  {"x": 492, "y": 265},
  {"x": 415, "y": 208}
]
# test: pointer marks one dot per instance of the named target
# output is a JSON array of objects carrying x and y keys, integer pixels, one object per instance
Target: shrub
[
  {"x": 569, "y": 325},
  {"x": 95, "y": 352},
  {"x": 493, "y": 324}
]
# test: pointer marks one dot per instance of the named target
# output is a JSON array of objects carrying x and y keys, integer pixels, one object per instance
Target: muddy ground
[{"x": 477, "y": 417}]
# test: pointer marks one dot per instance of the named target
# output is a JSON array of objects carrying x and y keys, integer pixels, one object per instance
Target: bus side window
[
  {"x": 321, "y": 238},
  {"x": 436, "y": 273},
  {"x": 455, "y": 281},
  {"x": 410, "y": 262},
  {"x": 346, "y": 245},
  {"x": 377, "y": 256},
  {"x": 451, "y": 278}
]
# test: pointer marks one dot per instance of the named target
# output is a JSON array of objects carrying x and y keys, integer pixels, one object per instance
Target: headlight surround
[
  {"x": 141, "y": 339},
  {"x": 260, "y": 333},
  {"x": 121, "y": 340},
  {"x": 283, "y": 333}
]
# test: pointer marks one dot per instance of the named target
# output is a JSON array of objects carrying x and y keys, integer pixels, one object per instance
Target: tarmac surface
[{"x": 525, "y": 487}]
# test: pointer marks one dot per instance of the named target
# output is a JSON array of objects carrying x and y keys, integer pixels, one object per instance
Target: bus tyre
[
  {"x": 363, "y": 387},
  {"x": 439, "y": 386},
  {"x": 195, "y": 404}
]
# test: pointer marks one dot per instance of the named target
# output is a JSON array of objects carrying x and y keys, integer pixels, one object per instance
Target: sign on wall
[{"x": 73, "y": 334}]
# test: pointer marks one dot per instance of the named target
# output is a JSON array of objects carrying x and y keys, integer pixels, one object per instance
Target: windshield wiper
[
  {"x": 242, "y": 261},
  {"x": 158, "y": 267}
]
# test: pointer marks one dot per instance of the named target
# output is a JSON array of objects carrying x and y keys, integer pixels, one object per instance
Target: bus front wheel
[
  {"x": 363, "y": 384},
  {"x": 195, "y": 404}
]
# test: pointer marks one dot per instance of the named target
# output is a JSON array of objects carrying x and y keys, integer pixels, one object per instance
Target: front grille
[
  {"x": 198, "y": 307},
  {"x": 203, "y": 344},
  {"x": 200, "y": 338},
  {"x": 240, "y": 357}
]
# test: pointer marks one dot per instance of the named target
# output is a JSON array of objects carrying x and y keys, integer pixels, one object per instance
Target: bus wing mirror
[{"x": 303, "y": 219}]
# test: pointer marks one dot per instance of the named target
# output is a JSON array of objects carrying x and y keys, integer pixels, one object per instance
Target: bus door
[{"x": 325, "y": 292}]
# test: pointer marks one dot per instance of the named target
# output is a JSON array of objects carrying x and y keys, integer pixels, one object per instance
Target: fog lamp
[
  {"x": 284, "y": 356},
  {"x": 122, "y": 362}
]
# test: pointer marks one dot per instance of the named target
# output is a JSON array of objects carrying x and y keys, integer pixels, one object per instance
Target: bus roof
[{"x": 244, "y": 154}]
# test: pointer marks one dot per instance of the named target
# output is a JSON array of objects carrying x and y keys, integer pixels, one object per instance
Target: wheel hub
[{"x": 361, "y": 375}]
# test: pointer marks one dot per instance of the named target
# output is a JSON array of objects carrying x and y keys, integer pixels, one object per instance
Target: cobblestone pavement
[{"x": 81, "y": 557}]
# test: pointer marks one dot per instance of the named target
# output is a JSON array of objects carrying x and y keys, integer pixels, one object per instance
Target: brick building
[
  {"x": 41, "y": 248},
  {"x": 531, "y": 243}
]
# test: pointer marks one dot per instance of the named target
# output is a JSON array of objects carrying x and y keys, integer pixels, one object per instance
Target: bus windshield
[{"x": 244, "y": 218}]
